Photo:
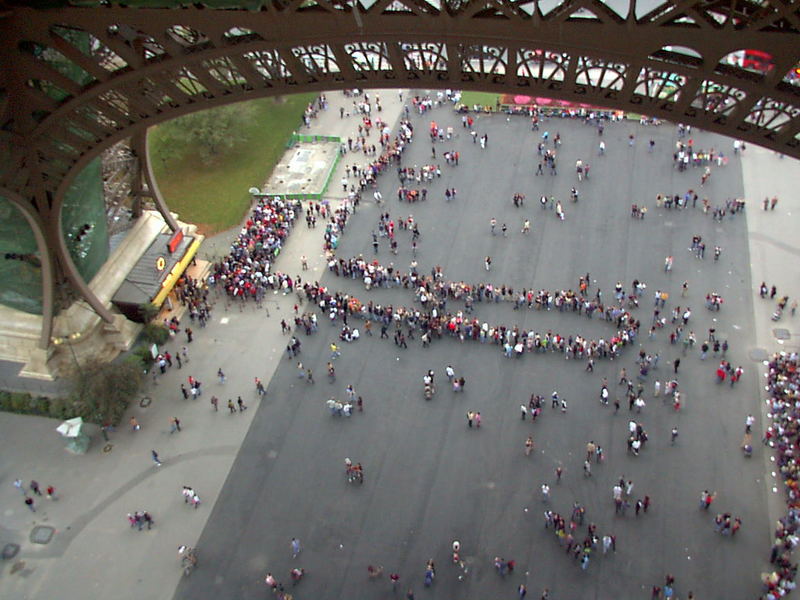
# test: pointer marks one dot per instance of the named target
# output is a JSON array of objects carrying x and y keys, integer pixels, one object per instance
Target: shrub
[
  {"x": 101, "y": 393},
  {"x": 140, "y": 357},
  {"x": 58, "y": 409},
  {"x": 155, "y": 333},
  {"x": 148, "y": 312},
  {"x": 24, "y": 404}
]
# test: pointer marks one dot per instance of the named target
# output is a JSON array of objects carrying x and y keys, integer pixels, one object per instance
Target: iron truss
[{"x": 82, "y": 78}]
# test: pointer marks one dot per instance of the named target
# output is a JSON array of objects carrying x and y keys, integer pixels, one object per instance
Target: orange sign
[{"x": 175, "y": 241}]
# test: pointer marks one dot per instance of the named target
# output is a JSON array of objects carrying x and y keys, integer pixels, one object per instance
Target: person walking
[
  {"x": 606, "y": 543},
  {"x": 29, "y": 503},
  {"x": 748, "y": 425},
  {"x": 295, "y": 547},
  {"x": 231, "y": 407},
  {"x": 156, "y": 460},
  {"x": 174, "y": 425},
  {"x": 529, "y": 446},
  {"x": 241, "y": 404},
  {"x": 591, "y": 448},
  {"x": 215, "y": 403}
]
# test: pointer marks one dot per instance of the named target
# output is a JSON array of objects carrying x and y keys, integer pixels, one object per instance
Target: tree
[
  {"x": 104, "y": 390},
  {"x": 208, "y": 132},
  {"x": 148, "y": 311}
]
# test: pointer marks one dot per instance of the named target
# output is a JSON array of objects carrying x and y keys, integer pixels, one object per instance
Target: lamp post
[{"x": 68, "y": 339}]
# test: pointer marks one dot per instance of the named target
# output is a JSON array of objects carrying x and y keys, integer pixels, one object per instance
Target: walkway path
[{"x": 774, "y": 258}]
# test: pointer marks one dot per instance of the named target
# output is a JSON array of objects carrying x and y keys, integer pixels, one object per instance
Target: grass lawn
[
  {"x": 482, "y": 98},
  {"x": 215, "y": 196}
]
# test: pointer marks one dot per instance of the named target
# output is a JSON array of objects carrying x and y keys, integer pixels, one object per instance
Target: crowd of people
[
  {"x": 434, "y": 290},
  {"x": 566, "y": 533},
  {"x": 783, "y": 434},
  {"x": 436, "y": 323},
  {"x": 193, "y": 294},
  {"x": 139, "y": 519},
  {"x": 246, "y": 272}
]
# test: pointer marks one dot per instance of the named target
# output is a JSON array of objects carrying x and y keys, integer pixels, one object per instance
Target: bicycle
[{"x": 188, "y": 557}]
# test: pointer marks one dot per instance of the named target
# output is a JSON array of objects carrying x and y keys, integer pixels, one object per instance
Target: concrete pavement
[
  {"x": 430, "y": 479},
  {"x": 774, "y": 251}
]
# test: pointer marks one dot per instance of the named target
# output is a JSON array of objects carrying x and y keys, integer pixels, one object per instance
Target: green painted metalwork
[
  {"x": 83, "y": 221},
  {"x": 20, "y": 263},
  {"x": 309, "y": 139}
]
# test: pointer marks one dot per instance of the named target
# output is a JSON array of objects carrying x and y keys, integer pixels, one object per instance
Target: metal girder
[
  {"x": 148, "y": 65},
  {"x": 665, "y": 63}
]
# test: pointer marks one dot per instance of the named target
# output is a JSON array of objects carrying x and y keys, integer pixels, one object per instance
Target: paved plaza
[
  {"x": 429, "y": 478},
  {"x": 276, "y": 471}
]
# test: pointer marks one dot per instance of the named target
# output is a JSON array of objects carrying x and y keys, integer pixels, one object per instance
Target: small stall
[{"x": 156, "y": 273}]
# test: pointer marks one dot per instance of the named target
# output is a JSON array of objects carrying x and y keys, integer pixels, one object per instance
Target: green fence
[{"x": 310, "y": 139}]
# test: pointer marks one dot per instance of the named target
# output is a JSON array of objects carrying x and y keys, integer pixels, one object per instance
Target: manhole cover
[
  {"x": 759, "y": 354},
  {"x": 42, "y": 534},
  {"x": 108, "y": 448},
  {"x": 781, "y": 334},
  {"x": 145, "y": 401},
  {"x": 10, "y": 551}
]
